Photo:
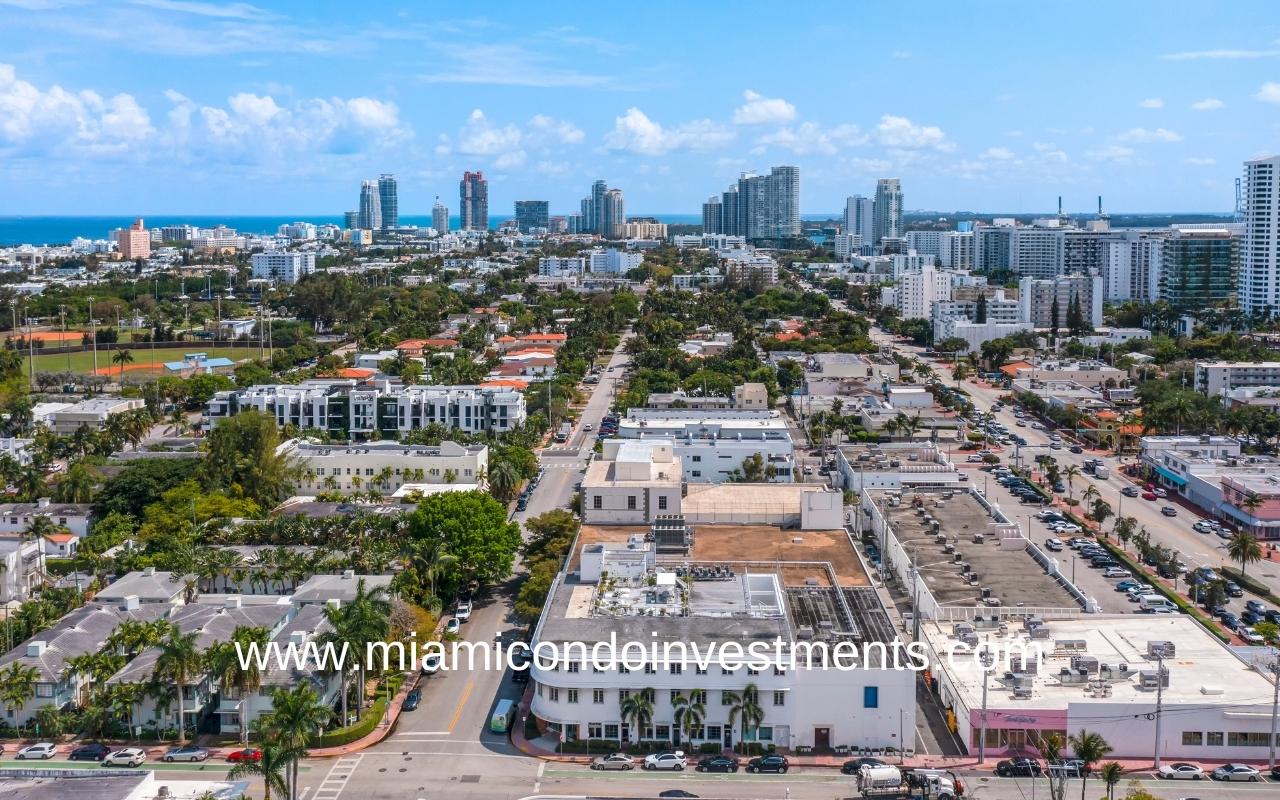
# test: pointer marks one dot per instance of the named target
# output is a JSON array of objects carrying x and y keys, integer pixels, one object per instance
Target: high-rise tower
[
  {"x": 887, "y": 220},
  {"x": 370, "y": 206},
  {"x": 389, "y": 202},
  {"x": 473, "y": 202}
]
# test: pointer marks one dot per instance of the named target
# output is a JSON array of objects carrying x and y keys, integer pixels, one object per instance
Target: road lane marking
[
  {"x": 336, "y": 781},
  {"x": 462, "y": 703}
]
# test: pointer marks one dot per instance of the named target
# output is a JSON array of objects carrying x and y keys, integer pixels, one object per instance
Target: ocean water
[{"x": 41, "y": 230}]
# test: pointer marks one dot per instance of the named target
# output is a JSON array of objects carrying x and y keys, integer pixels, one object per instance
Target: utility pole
[
  {"x": 1159, "y": 653},
  {"x": 93, "y": 335},
  {"x": 982, "y": 736},
  {"x": 1274, "y": 666},
  {"x": 62, "y": 311}
]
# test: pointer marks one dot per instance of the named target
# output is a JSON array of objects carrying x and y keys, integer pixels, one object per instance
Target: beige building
[
  {"x": 386, "y": 466},
  {"x": 92, "y": 413},
  {"x": 751, "y": 396},
  {"x": 641, "y": 481}
]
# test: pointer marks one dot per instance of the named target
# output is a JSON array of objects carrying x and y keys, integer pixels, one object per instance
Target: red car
[
  {"x": 247, "y": 754},
  {"x": 1148, "y": 495}
]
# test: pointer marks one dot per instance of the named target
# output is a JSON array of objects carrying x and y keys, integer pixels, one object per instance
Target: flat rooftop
[
  {"x": 757, "y": 544},
  {"x": 1201, "y": 671},
  {"x": 1014, "y": 577}
]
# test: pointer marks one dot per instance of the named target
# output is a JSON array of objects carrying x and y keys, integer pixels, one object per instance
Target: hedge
[
  {"x": 1249, "y": 584},
  {"x": 351, "y": 733},
  {"x": 1181, "y": 602}
]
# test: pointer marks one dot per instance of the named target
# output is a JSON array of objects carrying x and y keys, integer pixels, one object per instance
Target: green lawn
[{"x": 83, "y": 362}]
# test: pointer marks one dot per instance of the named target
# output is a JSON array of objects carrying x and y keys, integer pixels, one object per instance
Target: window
[
  {"x": 765, "y": 733},
  {"x": 623, "y": 694},
  {"x": 727, "y": 671},
  {"x": 596, "y": 669},
  {"x": 662, "y": 502},
  {"x": 631, "y": 502},
  {"x": 540, "y": 688},
  {"x": 553, "y": 694},
  {"x": 623, "y": 669},
  {"x": 662, "y": 731},
  {"x": 698, "y": 696},
  {"x": 44, "y": 690},
  {"x": 779, "y": 671},
  {"x": 697, "y": 473},
  {"x": 595, "y": 731},
  {"x": 648, "y": 669},
  {"x": 676, "y": 669},
  {"x": 779, "y": 698},
  {"x": 713, "y": 732},
  {"x": 751, "y": 671},
  {"x": 870, "y": 696},
  {"x": 700, "y": 670},
  {"x": 697, "y": 459},
  {"x": 574, "y": 666},
  {"x": 597, "y": 502},
  {"x": 726, "y": 698},
  {"x": 573, "y": 695},
  {"x": 1195, "y": 738},
  {"x": 611, "y": 731},
  {"x": 1248, "y": 739},
  {"x": 675, "y": 693},
  {"x": 597, "y": 697},
  {"x": 1213, "y": 738}
]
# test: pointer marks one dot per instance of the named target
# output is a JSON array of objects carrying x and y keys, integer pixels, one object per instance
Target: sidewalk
[{"x": 380, "y": 731}]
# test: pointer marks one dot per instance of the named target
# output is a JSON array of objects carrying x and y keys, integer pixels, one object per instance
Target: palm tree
[
  {"x": 122, "y": 357},
  {"x": 1244, "y": 547},
  {"x": 226, "y": 665},
  {"x": 1111, "y": 773},
  {"x": 1070, "y": 473},
  {"x": 689, "y": 713},
  {"x": 502, "y": 480},
  {"x": 17, "y": 686},
  {"x": 295, "y": 715},
  {"x": 180, "y": 661},
  {"x": 746, "y": 709},
  {"x": 1251, "y": 503},
  {"x": 637, "y": 707},
  {"x": 277, "y": 758},
  {"x": 1089, "y": 748}
]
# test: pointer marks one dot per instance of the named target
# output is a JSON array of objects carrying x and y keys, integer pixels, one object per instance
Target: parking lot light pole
[{"x": 1274, "y": 666}]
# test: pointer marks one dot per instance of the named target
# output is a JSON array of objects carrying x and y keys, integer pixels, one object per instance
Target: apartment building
[
  {"x": 385, "y": 466},
  {"x": 713, "y": 445},
  {"x": 1260, "y": 249},
  {"x": 283, "y": 266},
  {"x": 916, "y": 292},
  {"x": 358, "y": 409},
  {"x": 1036, "y": 252},
  {"x": 956, "y": 250},
  {"x": 1038, "y": 298},
  {"x": 640, "y": 481},
  {"x": 92, "y": 413},
  {"x": 1219, "y": 377}
]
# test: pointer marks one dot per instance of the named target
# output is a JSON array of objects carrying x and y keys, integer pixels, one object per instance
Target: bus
[{"x": 504, "y": 715}]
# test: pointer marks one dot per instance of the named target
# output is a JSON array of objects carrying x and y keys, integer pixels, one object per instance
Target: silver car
[{"x": 615, "y": 761}]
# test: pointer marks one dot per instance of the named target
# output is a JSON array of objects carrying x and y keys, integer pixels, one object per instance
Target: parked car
[
  {"x": 1070, "y": 767},
  {"x": 125, "y": 757},
  {"x": 1019, "y": 768},
  {"x": 1161, "y": 493},
  {"x": 1148, "y": 495},
  {"x": 1124, "y": 586},
  {"x": 187, "y": 752},
  {"x": 89, "y": 752},
  {"x": 718, "y": 764},
  {"x": 40, "y": 750},
  {"x": 668, "y": 759},
  {"x": 463, "y": 613},
  {"x": 1250, "y": 636},
  {"x": 431, "y": 664},
  {"x": 777, "y": 764},
  {"x": 247, "y": 754},
  {"x": 620, "y": 761},
  {"x": 1255, "y": 606},
  {"x": 852, "y": 767},
  {"x": 1234, "y": 590},
  {"x": 453, "y": 625},
  {"x": 411, "y": 700},
  {"x": 1116, "y": 572},
  {"x": 1130, "y": 491},
  {"x": 1054, "y": 545},
  {"x": 1169, "y": 511},
  {"x": 1236, "y": 772},
  {"x": 1181, "y": 771}
]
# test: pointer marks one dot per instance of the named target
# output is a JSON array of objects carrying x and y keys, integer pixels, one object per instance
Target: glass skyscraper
[{"x": 389, "y": 202}]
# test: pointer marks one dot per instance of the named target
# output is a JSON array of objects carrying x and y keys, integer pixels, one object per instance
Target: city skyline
[{"x": 101, "y": 98}]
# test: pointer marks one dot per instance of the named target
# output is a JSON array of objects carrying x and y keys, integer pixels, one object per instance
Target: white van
[{"x": 1156, "y": 604}]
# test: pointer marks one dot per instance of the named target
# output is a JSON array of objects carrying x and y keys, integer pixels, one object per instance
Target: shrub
[
  {"x": 362, "y": 728},
  {"x": 1249, "y": 584}
]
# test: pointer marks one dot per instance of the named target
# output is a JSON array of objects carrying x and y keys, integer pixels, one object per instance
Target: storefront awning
[{"x": 1171, "y": 476}]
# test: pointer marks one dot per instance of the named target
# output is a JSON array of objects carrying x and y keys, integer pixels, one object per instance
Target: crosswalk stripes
[{"x": 341, "y": 771}]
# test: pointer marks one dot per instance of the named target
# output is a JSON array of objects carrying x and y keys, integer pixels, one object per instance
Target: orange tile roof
[
  {"x": 1012, "y": 369},
  {"x": 789, "y": 336},
  {"x": 545, "y": 337},
  {"x": 506, "y": 337},
  {"x": 356, "y": 372},
  {"x": 505, "y": 383},
  {"x": 525, "y": 351},
  {"x": 61, "y": 538}
]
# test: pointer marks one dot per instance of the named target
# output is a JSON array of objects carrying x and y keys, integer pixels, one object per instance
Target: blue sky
[{"x": 183, "y": 106}]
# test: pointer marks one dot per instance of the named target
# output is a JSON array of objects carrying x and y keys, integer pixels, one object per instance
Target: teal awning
[{"x": 1171, "y": 476}]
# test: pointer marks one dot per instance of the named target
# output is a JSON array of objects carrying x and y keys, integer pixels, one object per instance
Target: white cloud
[
  {"x": 557, "y": 131},
  {"x": 810, "y": 138},
  {"x": 871, "y": 165},
  {"x": 1194, "y": 55},
  {"x": 1152, "y": 102},
  {"x": 1207, "y": 104},
  {"x": 507, "y": 145},
  {"x": 1144, "y": 136},
  {"x": 1113, "y": 153},
  {"x": 1199, "y": 162},
  {"x": 901, "y": 133},
  {"x": 900, "y": 54},
  {"x": 761, "y": 110},
  {"x": 216, "y": 10},
  {"x": 35, "y": 120},
  {"x": 636, "y": 133},
  {"x": 1050, "y": 152},
  {"x": 998, "y": 153},
  {"x": 1269, "y": 93}
]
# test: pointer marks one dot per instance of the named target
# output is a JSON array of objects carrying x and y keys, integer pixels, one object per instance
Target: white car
[
  {"x": 1181, "y": 771},
  {"x": 1116, "y": 572},
  {"x": 464, "y": 611},
  {"x": 431, "y": 664},
  {"x": 1236, "y": 772},
  {"x": 668, "y": 759},
  {"x": 1066, "y": 527},
  {"x": 41, "y": 750},
  {"x": 1250, "y": 635},
  {"x": 452, "y": 626},
  {"x": 127, "y": 757}
]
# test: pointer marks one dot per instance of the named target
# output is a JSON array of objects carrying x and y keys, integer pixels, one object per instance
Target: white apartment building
[
  {"x": 1036, "y": 298},
  {"x": 847, "y": 245},
  {"x": 612, "y": 261},
  {"x": 1131, "y": 266},
  {"x": 561, "y": 266},
  {"x": 283, "y": 266},
  {"x": 1260, "y": 253},
  {"x": 641, "y": 481},
  {"x": 744, "y": 268},
  {"x": 1036, "y": 252},
  {"x": 92, "y": 413},
  {"x": 859, "y": 218},
  {"x": 955, "y": 250},
  {"x": 348, "y": 407},
  {"x": 713, "y": 444},
  {"x": 384, "y": 466},
  {"x": 616, "y": 587},
  {"x": 916, "y": 292},
  {"x": 926, "y": 243},
  {"x": 1219, "y": 377}
]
